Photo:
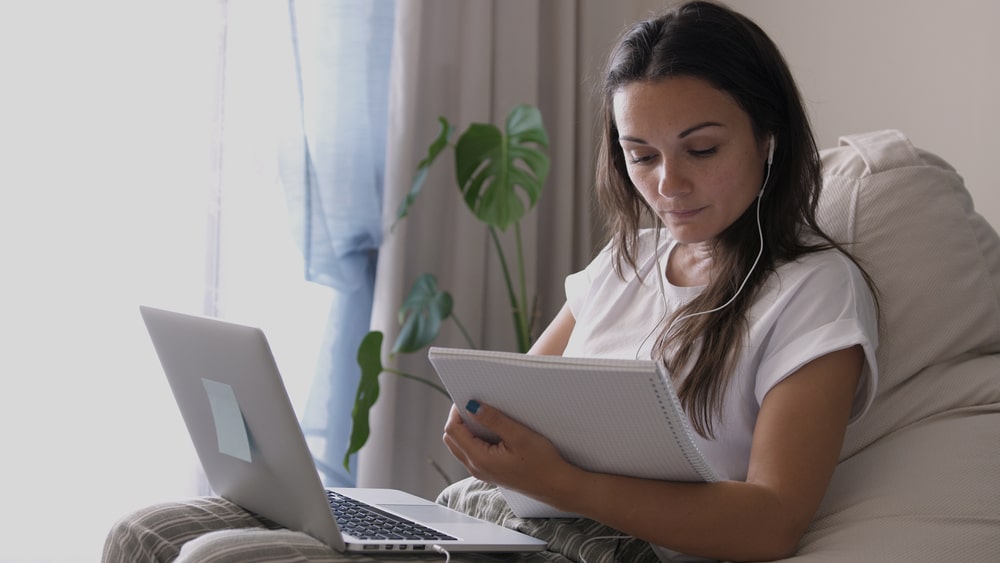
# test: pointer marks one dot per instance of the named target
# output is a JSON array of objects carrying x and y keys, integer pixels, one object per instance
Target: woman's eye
[
  {"x": 702, "y": 153},
  {"x": 637, "y": 159}
]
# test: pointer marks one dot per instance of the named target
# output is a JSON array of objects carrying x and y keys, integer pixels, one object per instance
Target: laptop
[{"x": 234, "y": 403}]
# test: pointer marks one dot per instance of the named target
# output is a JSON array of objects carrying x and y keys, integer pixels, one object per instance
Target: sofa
[{"x": 919, "y": 476}]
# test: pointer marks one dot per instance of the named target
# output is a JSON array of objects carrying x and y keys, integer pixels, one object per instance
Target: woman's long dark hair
[{"x": 709, "y": 41}]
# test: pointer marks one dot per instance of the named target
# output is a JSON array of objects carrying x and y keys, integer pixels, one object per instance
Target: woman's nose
[{"x": 672, "y": 181}]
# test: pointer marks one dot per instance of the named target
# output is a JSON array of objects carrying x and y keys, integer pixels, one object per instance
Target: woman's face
[{"x": 691, "y": 152}]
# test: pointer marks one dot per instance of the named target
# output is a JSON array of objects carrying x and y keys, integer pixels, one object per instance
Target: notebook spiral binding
[{"x": 665, "y": 393}]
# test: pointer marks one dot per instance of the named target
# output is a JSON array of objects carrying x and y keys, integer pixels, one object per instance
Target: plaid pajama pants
[{"x": 212, "y": 529}]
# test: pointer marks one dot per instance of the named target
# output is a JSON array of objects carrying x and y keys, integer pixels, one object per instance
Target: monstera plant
[{"x": 500, "y": 175}]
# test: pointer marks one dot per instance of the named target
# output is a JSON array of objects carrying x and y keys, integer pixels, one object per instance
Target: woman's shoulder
[
  {"x": 830, "y": 261},
  {"x": 827, "y": 272}
]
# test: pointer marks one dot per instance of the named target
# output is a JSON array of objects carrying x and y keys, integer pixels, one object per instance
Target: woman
[{"x": 767, "y": 326}]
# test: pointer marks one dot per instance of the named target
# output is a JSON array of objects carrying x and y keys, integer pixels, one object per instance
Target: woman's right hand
[{"x": 523, "y": 460}]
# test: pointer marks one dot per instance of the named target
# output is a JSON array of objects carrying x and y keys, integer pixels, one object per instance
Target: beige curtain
[{"x": 471, "y": 61}]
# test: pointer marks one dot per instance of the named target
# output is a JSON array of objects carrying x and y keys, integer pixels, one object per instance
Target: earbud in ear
[{"x": 770, "y": 159}]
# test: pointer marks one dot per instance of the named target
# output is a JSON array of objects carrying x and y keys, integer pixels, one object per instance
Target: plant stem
[
  {"x": 440, "y": 471},
  {"x": 518, "y": 325},
  {"x": 431, "y": 384},
  {"x": 465, "y": 333},
  {"x": 523, "y": 306}
]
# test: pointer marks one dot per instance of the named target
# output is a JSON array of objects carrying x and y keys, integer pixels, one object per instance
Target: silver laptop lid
[{"x": 227, "y": 387}]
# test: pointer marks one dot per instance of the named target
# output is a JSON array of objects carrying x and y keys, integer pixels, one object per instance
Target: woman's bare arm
[{"x": 552, "y": 341}]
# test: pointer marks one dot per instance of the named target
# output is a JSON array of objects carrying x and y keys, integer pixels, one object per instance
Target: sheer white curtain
[
  {"x": 473, "y": 61},
  {"x": 332, "y": 164},
  {"x": 112, "y": 195}
]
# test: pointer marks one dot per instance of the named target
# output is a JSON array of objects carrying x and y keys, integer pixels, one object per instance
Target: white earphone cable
[{"x": 443, "y": 551}]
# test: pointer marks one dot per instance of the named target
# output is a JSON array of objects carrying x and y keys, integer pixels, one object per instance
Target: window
[{"x": 109, "y": 181}]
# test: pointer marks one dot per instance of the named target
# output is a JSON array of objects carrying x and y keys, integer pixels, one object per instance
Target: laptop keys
[{"x": 367, "y": 522}]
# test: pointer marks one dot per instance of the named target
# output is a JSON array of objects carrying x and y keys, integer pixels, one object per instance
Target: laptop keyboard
[{"x": 367, "y": 522}]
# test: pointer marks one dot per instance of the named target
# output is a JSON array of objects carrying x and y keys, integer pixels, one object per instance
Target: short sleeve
[
  {"x": 828, "y": 307},
  {"x": 578, "y": 284}
]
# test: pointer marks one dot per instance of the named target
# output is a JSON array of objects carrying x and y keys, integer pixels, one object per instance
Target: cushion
[
  {"x": 907, "y": 216},
  {"x": 927, "y": 493},
  {"x": 917, "y": 480}
]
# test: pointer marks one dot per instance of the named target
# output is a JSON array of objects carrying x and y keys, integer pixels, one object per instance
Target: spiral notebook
[{"x": 605, "y": 415}]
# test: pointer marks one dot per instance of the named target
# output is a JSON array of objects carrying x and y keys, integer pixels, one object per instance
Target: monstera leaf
[
  {"x": 370, "y": 361},
  {"x": 421, "y": 315},
  {"x": 490, "y": 166},
  {"x": 435, "y": 148}
]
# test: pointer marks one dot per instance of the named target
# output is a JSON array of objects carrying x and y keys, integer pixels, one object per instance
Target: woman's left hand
[{"x": 523, "y": 460}]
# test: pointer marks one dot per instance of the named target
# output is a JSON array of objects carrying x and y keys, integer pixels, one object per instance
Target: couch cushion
[
  {"x": 936, "y": 264},
  {"x": 925, "y": 494}
]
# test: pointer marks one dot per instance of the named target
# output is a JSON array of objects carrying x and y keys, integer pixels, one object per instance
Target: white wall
[{"x": 925, "y": 67}]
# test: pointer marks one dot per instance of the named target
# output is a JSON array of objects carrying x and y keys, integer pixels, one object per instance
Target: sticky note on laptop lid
[{"x": 230, "y": 429}]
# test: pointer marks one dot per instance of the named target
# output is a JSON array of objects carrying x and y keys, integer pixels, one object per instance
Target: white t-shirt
[{"x": 808, "y": 308}]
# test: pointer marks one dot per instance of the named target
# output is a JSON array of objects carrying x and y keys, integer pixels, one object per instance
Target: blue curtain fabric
[{"x": 332, "y": 168}]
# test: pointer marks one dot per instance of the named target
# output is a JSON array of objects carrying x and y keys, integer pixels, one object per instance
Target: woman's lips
[{"x": 684, "y": 213}]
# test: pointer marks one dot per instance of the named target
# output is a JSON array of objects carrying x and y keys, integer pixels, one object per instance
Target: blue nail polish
[{"x": 472, "y": 406}]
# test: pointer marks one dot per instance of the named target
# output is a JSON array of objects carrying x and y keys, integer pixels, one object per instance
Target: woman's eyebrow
[
  {"x": 697, "y": 127},
  {"x": 682, "y": 134},
  {"x": 631, "y": 139}
]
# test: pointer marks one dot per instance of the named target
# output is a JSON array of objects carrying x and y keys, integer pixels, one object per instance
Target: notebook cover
[{"x": 605, "y": 415}]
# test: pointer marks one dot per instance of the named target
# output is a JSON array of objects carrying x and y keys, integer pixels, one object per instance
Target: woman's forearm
[{"x": 728, "y": 520}]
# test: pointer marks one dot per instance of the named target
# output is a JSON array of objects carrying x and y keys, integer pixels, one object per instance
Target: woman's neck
[{"x": 689, "y": 265}]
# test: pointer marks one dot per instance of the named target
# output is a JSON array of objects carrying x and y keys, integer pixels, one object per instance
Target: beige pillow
[{"x": 936, "y": 263}]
